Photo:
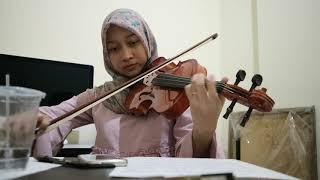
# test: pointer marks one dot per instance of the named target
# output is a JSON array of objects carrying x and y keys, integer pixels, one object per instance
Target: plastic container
[{"x": 18, "y": 117}]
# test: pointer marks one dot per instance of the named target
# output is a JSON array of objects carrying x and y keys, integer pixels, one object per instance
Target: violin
[
  {"x": 160, "y": 71},
  {"x": 163, "y": 91}
]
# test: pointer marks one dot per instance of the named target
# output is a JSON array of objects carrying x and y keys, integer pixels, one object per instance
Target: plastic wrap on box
[{"x": 282, "y": 140}]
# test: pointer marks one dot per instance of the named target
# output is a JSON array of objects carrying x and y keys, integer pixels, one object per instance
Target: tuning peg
[
  {"x": 230, "y": 109},
  {"x": 246, "y": 117},
  {"x": 241, "y": 74},
  {"x": 256, "y": 81}
]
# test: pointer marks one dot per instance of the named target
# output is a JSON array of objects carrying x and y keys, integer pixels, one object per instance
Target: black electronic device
[{"x": 59, "y": 80}]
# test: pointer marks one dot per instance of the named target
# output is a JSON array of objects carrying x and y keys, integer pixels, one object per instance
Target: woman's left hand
[{"x": 205, "y": 103}]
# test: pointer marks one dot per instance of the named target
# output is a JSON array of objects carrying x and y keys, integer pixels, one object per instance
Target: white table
[{"x": 146, "y": 167}]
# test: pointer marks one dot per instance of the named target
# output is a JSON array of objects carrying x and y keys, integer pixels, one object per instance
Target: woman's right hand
[{"x": 43, "y": 121}]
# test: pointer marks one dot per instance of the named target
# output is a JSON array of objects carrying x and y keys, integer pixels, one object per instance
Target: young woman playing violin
[{"x": 128, "y": 47}]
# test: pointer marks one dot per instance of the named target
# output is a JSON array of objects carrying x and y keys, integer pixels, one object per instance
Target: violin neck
[{"x": 178, "y": 82}]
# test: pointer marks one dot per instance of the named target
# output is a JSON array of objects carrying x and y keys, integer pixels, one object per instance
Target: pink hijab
[{"x": 132, "y": 21}]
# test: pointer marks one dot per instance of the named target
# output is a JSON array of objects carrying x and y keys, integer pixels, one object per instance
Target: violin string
[
  {"x": 174, "y": 81},
  {"x": 186, "y": 80},
  {"x": 175, "y": 85},
  {"x": 180, "y": 82}
]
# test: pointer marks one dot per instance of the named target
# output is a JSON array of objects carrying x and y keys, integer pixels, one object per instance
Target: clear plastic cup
[{"x": 18, "y": 117}]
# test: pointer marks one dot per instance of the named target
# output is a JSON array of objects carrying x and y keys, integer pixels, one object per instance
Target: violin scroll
[{"x": 254, "y": 98}]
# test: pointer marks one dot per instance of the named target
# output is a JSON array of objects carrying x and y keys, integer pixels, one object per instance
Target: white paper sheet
[{"x": 143, "y": 167}]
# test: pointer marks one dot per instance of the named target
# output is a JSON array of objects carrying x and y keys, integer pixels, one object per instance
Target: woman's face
[{"x": 126, "y": 51}]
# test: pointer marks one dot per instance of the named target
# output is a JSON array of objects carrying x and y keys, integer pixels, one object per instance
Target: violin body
[{"x": 169, "y": 101}]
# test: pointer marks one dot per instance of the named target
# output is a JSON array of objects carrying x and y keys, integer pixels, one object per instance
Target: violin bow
[{"x": 72, "y": 114}]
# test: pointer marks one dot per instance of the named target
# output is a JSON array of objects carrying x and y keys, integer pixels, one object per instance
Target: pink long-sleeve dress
[{"x": 122, "y": 135}]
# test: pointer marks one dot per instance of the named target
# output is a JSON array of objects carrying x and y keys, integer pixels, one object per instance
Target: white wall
[
  {"x": 290, "y": 53},
  {"x": 278, "y": 39},
  {"x": 70, "y": 31},
  {"x": 289, "y": 46},
  {"x": 236, "y": 50}
]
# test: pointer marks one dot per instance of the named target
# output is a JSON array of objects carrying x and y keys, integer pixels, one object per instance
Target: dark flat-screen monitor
[{"x": 59, "y": 80}]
